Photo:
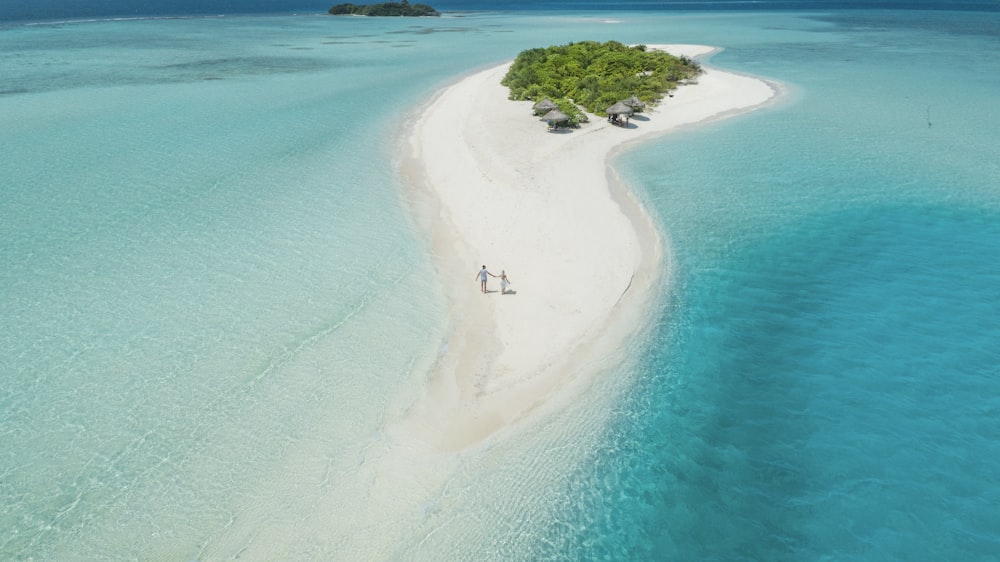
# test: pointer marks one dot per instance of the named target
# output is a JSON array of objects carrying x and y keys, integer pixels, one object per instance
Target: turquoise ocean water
[{"x": 213, "y": 296}]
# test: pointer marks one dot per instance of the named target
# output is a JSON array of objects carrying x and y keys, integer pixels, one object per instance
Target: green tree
[
  {"x": 595, "y": 75},
  {"x": 403, "y": 8}
]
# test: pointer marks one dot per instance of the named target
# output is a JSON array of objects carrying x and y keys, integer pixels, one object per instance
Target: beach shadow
[
  {"x": 561, "y": 130},
  {"x": 509, "y": 293},
  {"x": 639, "y": 117}
]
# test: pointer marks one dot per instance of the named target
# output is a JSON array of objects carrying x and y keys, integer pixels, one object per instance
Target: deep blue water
[{"x": 831, "y": 394}]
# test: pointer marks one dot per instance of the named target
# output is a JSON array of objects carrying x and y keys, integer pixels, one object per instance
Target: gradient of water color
[{"x": 214, "y": 296}]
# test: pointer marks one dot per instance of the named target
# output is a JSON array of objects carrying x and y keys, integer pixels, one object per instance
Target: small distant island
[{"x": 403, "y": 8}]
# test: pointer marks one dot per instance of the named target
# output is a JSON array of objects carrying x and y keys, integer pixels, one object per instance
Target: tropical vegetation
[
  {"x": 402, "y": 8},
  {"x": 595, "y": 75}
]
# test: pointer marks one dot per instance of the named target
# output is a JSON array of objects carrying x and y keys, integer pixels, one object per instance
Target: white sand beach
[{"x": 493, "y": 187}]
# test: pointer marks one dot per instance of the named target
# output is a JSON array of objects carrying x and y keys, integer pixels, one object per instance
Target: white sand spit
[{"x": 495, "y": 188}]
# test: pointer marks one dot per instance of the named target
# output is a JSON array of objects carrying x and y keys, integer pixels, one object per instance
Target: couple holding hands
[{"x": 483, "y": 275}]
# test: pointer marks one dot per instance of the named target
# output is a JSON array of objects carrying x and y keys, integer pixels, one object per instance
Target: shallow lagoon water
[{"x": 214, "y": 296}]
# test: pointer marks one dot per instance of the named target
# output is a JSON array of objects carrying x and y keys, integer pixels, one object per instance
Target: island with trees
[
  {"x": 594, "y": 76},
  {"x": 402, "y": 8}
]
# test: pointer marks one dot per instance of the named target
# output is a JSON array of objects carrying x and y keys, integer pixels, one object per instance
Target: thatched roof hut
[
  {"x": 619, "y": 109},
  {"x": 555, "y": 118},
  {"x": 635, "y": 103},
  {"x": 544, "y": 106}
]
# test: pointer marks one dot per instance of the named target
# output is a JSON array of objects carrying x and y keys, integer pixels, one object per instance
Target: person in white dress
[{"x": 504, "y": 282}]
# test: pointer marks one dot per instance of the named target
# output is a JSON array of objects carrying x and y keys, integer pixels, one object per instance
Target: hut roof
[
  {"x": 555, "y": 116},
  {"x": 619, "y": 109},
  {"x": 544, "y": 105},
  {"x": 634, "y": 102}
]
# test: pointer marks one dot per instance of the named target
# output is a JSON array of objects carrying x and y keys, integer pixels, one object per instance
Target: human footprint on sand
[{"x": 482, "y": 278}]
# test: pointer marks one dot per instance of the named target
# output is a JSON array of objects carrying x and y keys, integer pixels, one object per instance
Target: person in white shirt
[{"x": 482, "y": 277}]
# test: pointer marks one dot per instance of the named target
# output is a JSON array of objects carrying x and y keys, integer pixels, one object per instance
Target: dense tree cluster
[
  {"x": 403, "y": 8},
  {"x": 596, "y": 75}
]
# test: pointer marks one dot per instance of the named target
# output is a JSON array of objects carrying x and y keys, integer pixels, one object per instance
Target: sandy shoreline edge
[{"x": 489, "y": 185}]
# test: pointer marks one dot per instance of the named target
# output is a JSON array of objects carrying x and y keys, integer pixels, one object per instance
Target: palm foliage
[{"x": 595, "y": 75}]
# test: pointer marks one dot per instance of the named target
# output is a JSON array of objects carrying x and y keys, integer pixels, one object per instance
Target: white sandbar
[{"x": 492, "y": 186}]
